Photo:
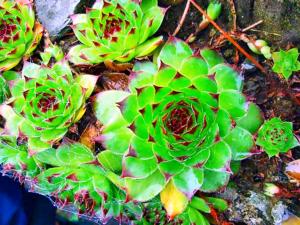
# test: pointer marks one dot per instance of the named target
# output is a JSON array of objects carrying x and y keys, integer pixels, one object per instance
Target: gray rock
[
  {"x": 280, "y": 213},
  {"x": 252, "y": 209},
  {"x": 55, "y": 14},
  {"x": 281, "y": 19}
]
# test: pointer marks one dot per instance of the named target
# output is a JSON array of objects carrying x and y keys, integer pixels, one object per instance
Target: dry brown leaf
[
  {"x": 89, "y": 134},
  {"x": 118, "y": 67},
  {"x": 293, "y": 171},
  {"x": 292, "y": 221}
]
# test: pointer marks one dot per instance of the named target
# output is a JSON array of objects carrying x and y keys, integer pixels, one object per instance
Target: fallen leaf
[
  {"x": 118, "y": 67},
  {"x": 89, "y": 134},
  {"x": 114, "y": 81},
  {"x": 292, "y": 170},
  {"x": 292, "y": 221}
]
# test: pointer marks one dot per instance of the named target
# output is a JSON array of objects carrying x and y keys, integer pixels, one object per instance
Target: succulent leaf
[
  {"x": 116, "y": 30},
  {"x": 19, "y": 32},
  {"x": 276, "y": 136},
  {"x": 4, "y": 90},
  {"x": 179, "y": 122}
]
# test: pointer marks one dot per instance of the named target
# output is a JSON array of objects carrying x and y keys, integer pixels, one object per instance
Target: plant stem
[{"x": 187, "y": 7}]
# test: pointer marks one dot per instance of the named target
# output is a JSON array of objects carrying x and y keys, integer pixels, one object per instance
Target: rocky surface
[
  {"x": 281, "y": 19},
  {"x": 54, "y": 14},
  {"x": 254, "y": 208}
]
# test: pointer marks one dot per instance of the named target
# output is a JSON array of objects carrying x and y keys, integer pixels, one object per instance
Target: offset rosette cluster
[
  {"x": 178, "y": 127},
  {"x": 45, "y": 102},
  {"x": 19, "y": 32},
  {"x": 276, "y": 136},
  {"x": 69, "y": 175},
  {"x": 116, "y": 30}
]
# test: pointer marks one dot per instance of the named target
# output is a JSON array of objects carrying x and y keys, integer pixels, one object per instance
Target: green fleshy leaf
[
  {"x": 196, "y": 217},
  {"x": 117, "y": 141},
  {"x": 193, "y": 67},
  {"x": 148, "y": 47},
  {"x": 200, "y": 204},
  {"x": 175, "y": 52},
  {"x": 164, "y": 76},
  {"x": 106, "y": 108},
  {"x": 220, "y": 156},
  {"x": 227, "y": 78},
  {"x": 212, "y": 185},
  {"x": 189, "y": 181},
  {"x": 35, "y": 145},
  {"x": 233, "y": 102},
  {"x": 218, "y": 203},
  {"x": 110, "y": 161},
  {"x": 151, "y": 186},
  {"x": 144, "y": 75},
  {"x": 252, "y": 120},
  {"x": 211, "y": 58},
  {"x": 240, "y": 149},
  {"x": 139, "y": 168}
]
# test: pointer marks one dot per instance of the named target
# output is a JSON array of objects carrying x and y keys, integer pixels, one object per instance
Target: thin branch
[
  {"x": 266, "y": 32},
  {"x": 252, "y": 26},
  {"x": 229, "y": 38},
  {"x": 187, "y": 7},
  {"x": 233, "y": 13}
]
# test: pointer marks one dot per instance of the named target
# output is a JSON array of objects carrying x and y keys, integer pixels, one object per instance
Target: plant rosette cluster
[
  {"x": 45, "y": 101},
  {"x": 178, "y": 127},
  {"x": 70, "y": 176},
  {"x": 116, "y": 30},
  {"x": 276, "y": 136},
  {"x": 19, "y": 32}
]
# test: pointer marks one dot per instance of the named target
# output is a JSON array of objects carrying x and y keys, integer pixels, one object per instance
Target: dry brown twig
[
  {"x": 233, "y": 13},
  {"x": 252, "y": 26},
  {"x": 182, "y": 19}
]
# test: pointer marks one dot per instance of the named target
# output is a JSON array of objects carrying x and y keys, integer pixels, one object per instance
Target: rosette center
[
  {"x": 179, "y": 120},
  {"x": 47, "y": 102},
  {"x": 6, "y": 30}
]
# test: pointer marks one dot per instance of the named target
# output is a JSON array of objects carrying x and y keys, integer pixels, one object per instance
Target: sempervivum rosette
[
  {"x": 178, "y": 127},
  {"x": 116, "y": 30},
  {"x": 276, "y": 136},
  {"x": 19, "y": 32},
  {"x": 45, "y": 102}
]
